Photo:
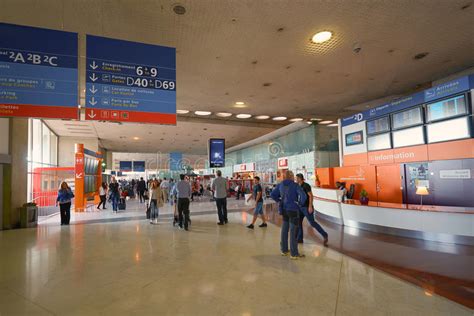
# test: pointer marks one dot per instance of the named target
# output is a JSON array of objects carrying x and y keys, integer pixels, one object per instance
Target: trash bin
[{"x": 29, "y": 215}]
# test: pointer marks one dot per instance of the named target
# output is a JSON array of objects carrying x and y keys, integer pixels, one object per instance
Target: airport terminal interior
[{"x": 236, "y": 157}]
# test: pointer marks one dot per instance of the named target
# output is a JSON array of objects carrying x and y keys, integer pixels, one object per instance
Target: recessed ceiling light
[
  {"x": 316, "y": 119},
  {"x": 279, "y": 118},
  {"x": 182, "y": 111},
  {"x": 296, "y": 119},
  {"x": 262, "y": 117},
  {"x": 325, "y": 122},
  {"x": 136, "y": 138},
  {"x": 334, "y": 124},
  {"x": 224, "y": 114},
  {"x": 240, "y": 103},
  {"x": 321, "y": 37},
  {"x": 202, "y": 113},
  {"x": 309, "y": 123},
  {"x": 243, "y": 116}
]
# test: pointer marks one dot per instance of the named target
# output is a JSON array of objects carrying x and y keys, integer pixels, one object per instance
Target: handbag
[{"x": 148, "y": 212}]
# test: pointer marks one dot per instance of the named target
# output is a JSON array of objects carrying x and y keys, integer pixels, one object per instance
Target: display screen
[
  {"x": 355, "y": 138},
  {"x": 407, "y": 118},
  {"x": 378, "y": 126},
  {"x": 448, "y": 130},
  {"x": 408, "y": 137},
  {"x": 125, "y": 166},
  {"x": 379, "y": 142},
  {"x": 139, "y": 166},
  {"x": 447, "y": 108},
  {"x": 216, "y": 153}
]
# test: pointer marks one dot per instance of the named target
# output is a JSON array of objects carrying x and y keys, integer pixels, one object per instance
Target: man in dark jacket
[
  {"x": 291, "y": 197},
  {"x": 141, "y": 187}
]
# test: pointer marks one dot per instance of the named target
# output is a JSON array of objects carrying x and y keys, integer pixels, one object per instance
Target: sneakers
[
  {"x": 220, "y": 223},
  {"x": 297, "y": 257},
  {"x": 325, "y": 243},
  {"x": 263, "y": 225},
  {"x": 285, "y": 254},
  {"x": 250, "y": 226}
]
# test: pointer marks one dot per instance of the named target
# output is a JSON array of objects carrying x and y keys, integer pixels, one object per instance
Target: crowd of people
[{"x": 293, "y": 196}]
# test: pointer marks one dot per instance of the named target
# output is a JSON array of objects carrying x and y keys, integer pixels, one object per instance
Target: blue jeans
[
  {"x": 290, "y": 224},
  {"x": 115, "y": 200},
  {"x": 154, "y": 210},
  {"x": 304, "y": 213}
]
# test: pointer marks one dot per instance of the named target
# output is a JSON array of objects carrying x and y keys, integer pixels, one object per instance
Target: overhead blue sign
[
  {"x": 130, "y": 82},
  {"x": 38, "y": 72},
  {"x": 125, "y": 166},
  {"x": 438, "y": 92},
  {"x": 138, "y": 166},
  {"x": 175, "y": 161}
]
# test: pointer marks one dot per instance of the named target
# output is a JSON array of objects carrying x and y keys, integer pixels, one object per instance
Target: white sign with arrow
[
  {"x": 93, "y": 65},
  {"x": 92, "y": 114}
]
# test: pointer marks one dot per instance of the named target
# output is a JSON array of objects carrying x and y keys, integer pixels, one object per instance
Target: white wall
[
  {"x": 4, "y": 135},
  {"x": 354, "y": 149},
  {"x": 66, "y": 148}
]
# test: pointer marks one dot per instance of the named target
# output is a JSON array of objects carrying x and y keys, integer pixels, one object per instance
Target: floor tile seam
[{"x": 30, "y": 300}]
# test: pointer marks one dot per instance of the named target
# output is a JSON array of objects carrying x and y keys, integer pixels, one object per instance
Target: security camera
[{"x": 356, "y": 48}]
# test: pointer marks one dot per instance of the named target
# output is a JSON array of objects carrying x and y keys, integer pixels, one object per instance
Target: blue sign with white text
[
  {"x": 443, "y": 90},
  {"x": 138, "y": 166},
  {"x": 176, "y": 161},
  {"x": 216, "y": 153},
  {"x": 38, "y": 72},
  {"x": 130, "y": 82}
]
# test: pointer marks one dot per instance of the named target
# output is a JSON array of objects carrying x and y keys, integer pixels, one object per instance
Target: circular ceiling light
[
  {"x": 334, "y": 124},
  {"x": 325, "y": 122},
  {"x": 279, "y": 118},
  {"x": 224, "y": 114},
  {"x": 262, "y": 117},
  {"x": 202, "y": 113},
  {"x": 316, "y": 119},
  {"x": 321, "y": 37},
  {"x": 243, "y": 116},
  {"x": 239, "y": 103},
  {"x": 136, "y": 138},
  {"x": 309, "y": 123},
  {"x": 182, "y": 111},
  {"x": 296, "y": 119}
]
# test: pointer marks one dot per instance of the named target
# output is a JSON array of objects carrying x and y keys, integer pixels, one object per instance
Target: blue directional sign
[
  {"x": 130, "y": 82},
  {"x": 38, "y": 72}
]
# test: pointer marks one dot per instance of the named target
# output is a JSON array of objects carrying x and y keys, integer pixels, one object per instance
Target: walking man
[
  {"x": 165, "y": 186},
  {"x": 219, "y": 187},
  {"x": 307, "y": 211},
  {"x": 141, "y": 187},
  {"x": 257, "y": 195},
  {"x": 183, "y": 192},
  {"x": 291, "y": 197}
]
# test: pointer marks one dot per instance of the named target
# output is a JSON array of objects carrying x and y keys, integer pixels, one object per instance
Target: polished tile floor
[{"x": 132, "y": 267}]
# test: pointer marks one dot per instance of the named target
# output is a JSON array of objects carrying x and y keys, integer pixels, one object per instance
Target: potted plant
[{"x": 364, "y": 197}]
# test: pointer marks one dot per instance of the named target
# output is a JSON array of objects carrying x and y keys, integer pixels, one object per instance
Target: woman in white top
[
  {"x": 156, "y": 201},
  {"x": 102, "y": 195}
]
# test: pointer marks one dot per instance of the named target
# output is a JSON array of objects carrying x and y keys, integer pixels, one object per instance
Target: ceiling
[{"x": 259, "y": 52}]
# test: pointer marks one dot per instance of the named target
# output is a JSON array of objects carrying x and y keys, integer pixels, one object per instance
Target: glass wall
[{"x": 42, "y": 153}]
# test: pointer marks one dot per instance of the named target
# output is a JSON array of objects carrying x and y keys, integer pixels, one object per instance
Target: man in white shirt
[
  {"x": 219, "y": 187},
  {"x": 165, "y": 187}
]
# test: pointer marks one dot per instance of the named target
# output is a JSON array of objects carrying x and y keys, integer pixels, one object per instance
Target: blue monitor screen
[
  {"x": 216, "y": 153},
  {"x": 139, "y": 166},
  {"x": 125, "y": 166}
]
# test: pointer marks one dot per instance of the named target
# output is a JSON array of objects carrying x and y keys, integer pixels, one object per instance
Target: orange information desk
[{"x": 436, "y": 223}]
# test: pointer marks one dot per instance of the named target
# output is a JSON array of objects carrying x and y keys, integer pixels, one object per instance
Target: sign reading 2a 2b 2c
[
  {"x": 130, "y": 82},
  {"x": 38, "y": 72}
]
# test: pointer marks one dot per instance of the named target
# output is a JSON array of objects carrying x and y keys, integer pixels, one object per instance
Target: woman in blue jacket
[{"x": 65, "y": 196}]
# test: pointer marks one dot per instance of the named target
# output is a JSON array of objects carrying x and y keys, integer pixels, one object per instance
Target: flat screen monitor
[
  {"x": 408, "y": 118},
  {"x": 125, "y": 166},
  {"x": 379, "y": 142},
  {"x": 355, "y": 138},
  {"x": 408, "y": 137},
  {"x": 446, "y": 109},
  {"x": 139, "y": 166},
  {"x": 448, "y": 130},
  {"x": 379, "y": 125},
  {"x": 216, "y": 152}
]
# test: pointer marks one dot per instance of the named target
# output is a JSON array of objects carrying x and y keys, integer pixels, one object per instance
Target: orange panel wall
[
  {"x": 355, "y": 159},
  {"x": 363, "y": 177},
  {"x": 451, "y": 150},
  {"x": 326, "y": 177}
]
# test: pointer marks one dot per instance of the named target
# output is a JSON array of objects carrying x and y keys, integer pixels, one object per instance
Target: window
[
  {"x": 448, "y": 130},
  {"x": 379, "y": 125},
  {"x": 446, "y": 109},
  {"x": 355, "y": 138},
  {"x": 379, "y": 142},
  {"x": 408, "y": 137},
  {"x": 407, "y": 118}
]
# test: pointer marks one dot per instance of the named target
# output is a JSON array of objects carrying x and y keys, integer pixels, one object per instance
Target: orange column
[{"x": 79, "y": 201}]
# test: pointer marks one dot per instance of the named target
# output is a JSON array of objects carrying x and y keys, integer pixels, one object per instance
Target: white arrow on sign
[
  {"x": 79, "y": 175},
  {"x": 93, "y": 78},
  {"x": 93, "y": 90},
  {"x": 92, "y": 101},
  {"x": 92, "y": 115},
  {"x": 94, "y": 65}
]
